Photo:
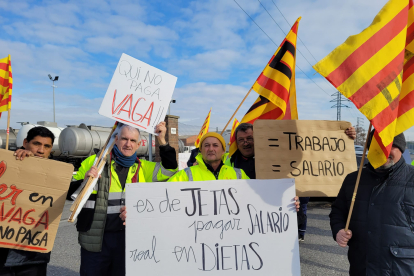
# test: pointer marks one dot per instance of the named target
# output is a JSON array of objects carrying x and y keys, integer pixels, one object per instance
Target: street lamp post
[
  {"x": 172, "y": 101},
  {"x": 53, "y": 80}
]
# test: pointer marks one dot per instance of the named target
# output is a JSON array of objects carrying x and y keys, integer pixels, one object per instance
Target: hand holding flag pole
[
  {"x": 361, "y": 165},
  {"x": 375, "y": 70}
]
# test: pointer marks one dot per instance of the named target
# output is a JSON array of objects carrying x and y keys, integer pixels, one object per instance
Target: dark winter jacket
[
  {"x": 192, "y": 159},
  {"x": 237, "y": 160},
  {"x": 382, "y": 221}
]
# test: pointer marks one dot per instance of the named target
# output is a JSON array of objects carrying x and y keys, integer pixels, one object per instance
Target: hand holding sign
[
  {"x": 22, "y": 153},
  {"x": 318, "y": 154},
  {"x": 32, "y": 196},
  {"x": 161, "y": 130}
]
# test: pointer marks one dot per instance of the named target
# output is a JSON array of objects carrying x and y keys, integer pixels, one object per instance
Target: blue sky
[{"x": 213, "y": 48}]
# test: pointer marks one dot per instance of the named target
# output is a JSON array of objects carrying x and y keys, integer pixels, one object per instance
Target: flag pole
[
  {"x": 236, "y": 111},
  {"x": 357, "y": 181},
  {"x": 8, "y": 129}
]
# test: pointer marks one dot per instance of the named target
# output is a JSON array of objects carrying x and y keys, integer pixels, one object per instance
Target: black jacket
[
  {"x": 382, "y": 221},
  {"x": 245, "y": 163},
  {"x": 192, "y": 158}
]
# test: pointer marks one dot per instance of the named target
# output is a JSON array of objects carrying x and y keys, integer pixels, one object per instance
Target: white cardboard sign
[
  {"x": 223, "y": 227},
  {"x": 138, "y": 94}
]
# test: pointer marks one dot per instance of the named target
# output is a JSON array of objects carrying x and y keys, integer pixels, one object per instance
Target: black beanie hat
[{"x": 399, "y": 141}]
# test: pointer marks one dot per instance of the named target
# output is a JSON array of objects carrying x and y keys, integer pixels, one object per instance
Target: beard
[{"x": 387, "y": 165}]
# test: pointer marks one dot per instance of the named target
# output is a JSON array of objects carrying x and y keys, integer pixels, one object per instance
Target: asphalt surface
[{"x": 319, "y": 254}]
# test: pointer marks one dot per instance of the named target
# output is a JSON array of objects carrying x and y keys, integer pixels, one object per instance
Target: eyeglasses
[{"x": 244, "y": 140}]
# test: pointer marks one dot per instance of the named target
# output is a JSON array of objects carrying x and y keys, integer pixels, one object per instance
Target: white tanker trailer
[
  {"x": 12, "y": 138},
  {"x": 82, "y": 140},
  {"x": 74, "y": 144}
]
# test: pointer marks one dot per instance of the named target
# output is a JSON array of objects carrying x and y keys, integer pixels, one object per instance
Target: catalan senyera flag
[
  {"x": 204, "y": 129},
  {"x": 276, "y": 84},
  {"x": 374, "y": 69},
  {"x": 233, "y": 142},
  {"x": 6, "y": 84}
]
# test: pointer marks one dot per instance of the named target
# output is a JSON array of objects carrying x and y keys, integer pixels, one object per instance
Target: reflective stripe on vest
[
  {"x": 187, "y": 170},
  {"x": 89, "y": 204},
  {"x": 238, "y": 173},
  {"x": 164, "y": 171},
  {"x": 116, "y": 200},
  {"x": 189, "y": 174},
  {"x": 113, "y": 210}
]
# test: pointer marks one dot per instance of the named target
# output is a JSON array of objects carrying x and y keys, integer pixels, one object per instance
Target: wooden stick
[
  {"x": 80, "y": 196},
  {"x": 8, "y": 129},
  {"x": 107, "y": 141},
  {"x": 98, "y": 161},
  {"x": 357, "y": 181},
  {"x": 236, "y": 111},
  {"x": 78, "y": 199}
]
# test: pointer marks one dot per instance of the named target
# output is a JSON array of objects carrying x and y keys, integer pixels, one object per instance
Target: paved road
[{"x": 319, "y": 254}]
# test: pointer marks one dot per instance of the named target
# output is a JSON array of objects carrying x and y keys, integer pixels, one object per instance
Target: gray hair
[{"x": 132, "y": 129}]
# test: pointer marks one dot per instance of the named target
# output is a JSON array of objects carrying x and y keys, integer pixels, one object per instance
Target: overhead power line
[
  {"x": 300, "y": 41},
  {"x": 255, "y": 22},
  {"x": 277, "y": 46},
  {"x": 284, "y": 31},
  {"x": 350, "y": 109},
  {"x": 339, "y": 104},
  {"x": 289, "y": 25}
]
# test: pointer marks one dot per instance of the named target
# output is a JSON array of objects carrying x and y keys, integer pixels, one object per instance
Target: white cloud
[{"x": 212, "y": 46}]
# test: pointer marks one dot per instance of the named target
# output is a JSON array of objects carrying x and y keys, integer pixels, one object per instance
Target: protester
[
  {"x": 380, "y": 235},
  {"x": 39, "y": 143},
  {"x": 100, "y": 222},
  {"x": 210, "y": 162}
]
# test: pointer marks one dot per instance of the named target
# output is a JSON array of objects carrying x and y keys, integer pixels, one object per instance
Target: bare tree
[{"x": 361, "y": 136}]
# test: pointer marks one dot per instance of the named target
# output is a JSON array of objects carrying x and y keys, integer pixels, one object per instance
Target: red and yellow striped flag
[
  {"x": 6, "y": 84},
  {"x": 374, "y": 69},
  {"x": 233, "y": 142},
  {"x": 277, "y": 83},
  {"x": 204, "y": 129}
]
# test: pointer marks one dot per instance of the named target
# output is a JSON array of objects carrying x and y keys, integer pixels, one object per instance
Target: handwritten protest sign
[
  {"x": 230, "y": 227},
  {"x": 318, "y": 154},
  {"x": 32, "y": 196},
  {"x": 138, "y": 94}
]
